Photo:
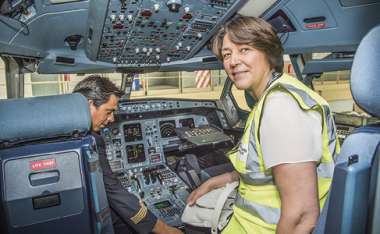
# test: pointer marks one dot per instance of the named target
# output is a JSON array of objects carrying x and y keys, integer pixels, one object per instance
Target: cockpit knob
[
  {"x": 174, "y": 5},
  {"x": 156, "y": 7},
  {"x": 129, "y": 17}
]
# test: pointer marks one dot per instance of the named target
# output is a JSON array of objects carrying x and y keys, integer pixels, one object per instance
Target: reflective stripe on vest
[{"x": 248, "y": 161}]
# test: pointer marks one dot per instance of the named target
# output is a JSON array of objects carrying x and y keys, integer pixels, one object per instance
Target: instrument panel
[
  {"x": 136, "y": 144},
  {"x": 151, "y": 32},
  {"x": 139, "y": 143}
]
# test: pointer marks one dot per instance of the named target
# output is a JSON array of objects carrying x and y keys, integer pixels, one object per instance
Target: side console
[{"x": 163, "y": 192}]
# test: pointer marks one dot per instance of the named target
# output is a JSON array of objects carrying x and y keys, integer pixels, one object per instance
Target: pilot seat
[
  {"x": 354, "y": 200},
  {"x": 50, "y": 179}
]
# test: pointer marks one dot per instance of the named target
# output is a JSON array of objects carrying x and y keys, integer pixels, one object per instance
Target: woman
[{"x": 284, "y": 161}]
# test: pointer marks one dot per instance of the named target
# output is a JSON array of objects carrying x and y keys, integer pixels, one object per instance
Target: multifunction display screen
[
  {"x": 135, "y": 153},
  {"x": 163, "y": 204},
  {"x": 132, "y": 132},
  {"x": 167, "y": 128}
]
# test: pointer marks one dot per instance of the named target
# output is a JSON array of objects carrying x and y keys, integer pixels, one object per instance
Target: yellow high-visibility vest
[{"x": 257, "y": 206}]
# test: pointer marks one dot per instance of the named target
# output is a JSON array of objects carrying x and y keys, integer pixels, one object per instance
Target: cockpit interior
[{"x": 161, "y": 147}]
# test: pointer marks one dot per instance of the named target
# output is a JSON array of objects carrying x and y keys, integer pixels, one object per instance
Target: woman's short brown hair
[{"x": 254, "y": 32}]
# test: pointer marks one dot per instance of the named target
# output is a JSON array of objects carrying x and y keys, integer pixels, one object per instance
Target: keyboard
[{"x": 204, "y": 135}]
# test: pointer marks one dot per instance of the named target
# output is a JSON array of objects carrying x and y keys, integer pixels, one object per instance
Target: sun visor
[{"x": 45, "y": 117}]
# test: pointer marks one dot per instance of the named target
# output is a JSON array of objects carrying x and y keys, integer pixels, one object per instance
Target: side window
[
  {"x": 43, "y": 85},
  {"x": 240, "y": 98},
  {"x": 335, "y": 88},
  {"x": 55, "y": 84},
  {"x": 3, "y": 87}
]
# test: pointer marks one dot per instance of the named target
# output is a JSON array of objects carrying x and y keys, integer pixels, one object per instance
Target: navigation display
[
  {"x": 167, "y": 128},
  {"x": 132, "y": 132},
  {"x": 135, "y": 153},
  {"x": 189, "y": 123},
  {"x": 162, "y": 205}
]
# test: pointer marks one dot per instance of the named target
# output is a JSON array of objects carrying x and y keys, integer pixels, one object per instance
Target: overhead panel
[{"x": 148, "y": 33}]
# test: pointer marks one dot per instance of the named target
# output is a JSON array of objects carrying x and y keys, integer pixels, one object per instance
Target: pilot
[
  {"x": 285, "y": 159},
  {"x": 129, "y": 215}
]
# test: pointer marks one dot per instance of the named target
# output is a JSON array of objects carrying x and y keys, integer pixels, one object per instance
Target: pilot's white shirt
[{"x": 287, "y": 133}]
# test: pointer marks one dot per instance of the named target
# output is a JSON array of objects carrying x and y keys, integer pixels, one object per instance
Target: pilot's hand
[
  {"x": 162, "y": 228},
  {"x": 199, "y": 192}
]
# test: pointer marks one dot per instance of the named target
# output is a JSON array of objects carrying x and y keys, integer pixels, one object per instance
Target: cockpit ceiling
[{"x": 66, "y": 36}]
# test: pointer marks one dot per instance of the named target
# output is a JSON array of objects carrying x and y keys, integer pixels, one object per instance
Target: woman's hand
[
  {"x": 210, "y": 184},
  {"x": 199, "y": 192}
]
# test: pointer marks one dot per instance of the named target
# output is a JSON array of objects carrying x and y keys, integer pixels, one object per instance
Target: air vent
[
  {"x": 73, "y": 41},
  {"x": 209, "y": 59},
  {"x": 281, "y": 22}
]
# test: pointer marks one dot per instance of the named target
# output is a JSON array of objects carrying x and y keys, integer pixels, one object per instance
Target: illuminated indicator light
[
  {"x": 156, "y": 7},
  {"x": 146, "y": 13},
  {"x": 42, "y": 164},
  {"x": 117, "y": 26},
  {"x": 187, "y": 16},
  {"x": 315, "y": 25}
]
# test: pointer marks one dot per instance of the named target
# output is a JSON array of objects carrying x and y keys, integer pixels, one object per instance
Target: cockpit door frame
[{"x": 14, "y": 77}]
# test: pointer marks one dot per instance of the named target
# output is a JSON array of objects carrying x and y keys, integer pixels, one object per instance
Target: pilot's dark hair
[
  {"x": 98, "y": 89},
  {"x": 254, "y": 32}
]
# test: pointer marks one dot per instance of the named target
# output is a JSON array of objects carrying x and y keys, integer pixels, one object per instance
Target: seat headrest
[
  {"x": 365, "y": 74},
  {"x": 46, "y": 117}
]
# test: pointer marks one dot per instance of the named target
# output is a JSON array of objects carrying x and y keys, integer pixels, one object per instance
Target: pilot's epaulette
[{"x": 140, "y": 215}]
